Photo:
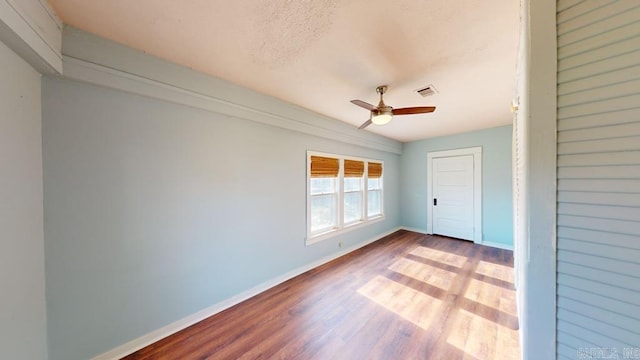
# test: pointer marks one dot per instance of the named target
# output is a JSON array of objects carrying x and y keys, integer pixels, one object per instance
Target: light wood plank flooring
[{"x": 407, "y": 296}]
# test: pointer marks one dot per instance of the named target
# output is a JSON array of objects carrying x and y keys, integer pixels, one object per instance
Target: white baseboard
[
  {"x": 497, "y": 245},
  {"x": 484, "y": 243},
  {"x": 150, "y": 338},
  {"x": 415, "y": 230}
]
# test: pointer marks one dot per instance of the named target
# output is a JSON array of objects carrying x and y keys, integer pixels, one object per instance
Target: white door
[{"x": 453, "y": 196}]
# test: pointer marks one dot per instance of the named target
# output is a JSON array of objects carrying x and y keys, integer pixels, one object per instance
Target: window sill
[{"x": 347, "y": 228}]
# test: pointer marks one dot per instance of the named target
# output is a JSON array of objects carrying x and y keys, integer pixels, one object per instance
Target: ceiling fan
[{"x": 382, "y": 114}]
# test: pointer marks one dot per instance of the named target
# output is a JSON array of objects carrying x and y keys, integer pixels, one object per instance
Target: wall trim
[
  {"x": 536, "y": 260},
  {"x": 415, "y": 230},
  {"x": 32, "y": 30},
  {"x": 99, "y": 61},
  {"x": 497, "y": 245},
  {"x": 148, "y": 339},
  {"x": 484, "y": 243}
]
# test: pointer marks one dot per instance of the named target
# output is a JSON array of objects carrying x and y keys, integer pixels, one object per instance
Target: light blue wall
[
  {"x": 22, "y": 290},
  {"x": 155, "y": 211},
  {"x": 497, "y": 207}
]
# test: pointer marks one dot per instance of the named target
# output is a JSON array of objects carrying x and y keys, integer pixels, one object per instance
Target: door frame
[{"x": 477, "y": 187}]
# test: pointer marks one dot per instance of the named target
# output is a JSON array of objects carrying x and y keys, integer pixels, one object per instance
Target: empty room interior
[{"x": 319, "y": 179}]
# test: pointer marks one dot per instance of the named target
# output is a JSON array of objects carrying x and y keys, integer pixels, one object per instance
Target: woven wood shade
[
  {"x": 353, "y": 168},
  {"x": 375, "y": 170},
  {"x": 324, "y": 167}
]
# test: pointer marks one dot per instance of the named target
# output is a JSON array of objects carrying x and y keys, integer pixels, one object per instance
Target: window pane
[
  {"x": 352, "y": 207},
  {"x": 352, "y": 184},
  {"x": 323, "y": 185},
  {"x": 323, "y": 212},
  {"x": 374, "y": 204},
  {"x": 373, "y": 183}
]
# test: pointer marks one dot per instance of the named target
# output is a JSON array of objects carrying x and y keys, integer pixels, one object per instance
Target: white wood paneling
[
  {"x": 598, "y": 283},
  {"x": 597, "y": 82},
  {"x": 611, "y": 50},
  {"x": 610, "y": 158},
  {"x": 595, "y": 185},
  {"x": 587, "y": 16},
  {"x": 610, "y": 290},
  {"x": 600, "y": 301},
  {"x": 620, "y": 116},
  {"x": 598, "y": 224},
  {"x": 567, "y": 33},
  {"x": 626, "y": 88},
  {"x": 630, "y": 214},
  {"x": 613, "y": 131},
  {"x": 598, "y": 237},
  {"x": 600, "y": 172},
  {"x": 581, "y": 326},
  {"x": 598, "y": 146},
  {"x": 599, "y": 198},
  {"x": 610, "y": 264},
  {"x": 603, "y": 38},
  {"x": 602, "y": 66}
]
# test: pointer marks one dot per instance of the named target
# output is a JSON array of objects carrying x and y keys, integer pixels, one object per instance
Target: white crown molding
[
  {"x": 102, "y": 62},
  {"x": 32, "y": 30}
]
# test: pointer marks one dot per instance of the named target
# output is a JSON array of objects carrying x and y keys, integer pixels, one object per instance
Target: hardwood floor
[{"x": 407, "y": 296}]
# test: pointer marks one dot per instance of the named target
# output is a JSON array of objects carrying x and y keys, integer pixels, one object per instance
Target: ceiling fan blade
[
  {"x": 414, "y": 110},
  {"x": 364, "y": 105},
  {"x": 365, "y": 124}
]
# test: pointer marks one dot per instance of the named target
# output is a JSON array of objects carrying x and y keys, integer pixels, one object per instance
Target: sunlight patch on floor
[
  {"x": 508, "y": 304},
  {"x": 472, "y": 335},
  {"x": 487, "y": 294},
  {"x": 439, "y": 256},
  {"x": 402, "y": 300},
  {"x": 497, "y": 271},
  {"x": 422, "y": 272}
]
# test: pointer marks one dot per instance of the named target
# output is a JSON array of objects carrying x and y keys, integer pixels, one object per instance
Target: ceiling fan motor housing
[{"x": 384, "y": 110}]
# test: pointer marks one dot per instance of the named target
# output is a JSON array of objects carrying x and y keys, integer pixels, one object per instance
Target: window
[
  {"x": 353, "y": 191},
  {"x": 342, "y": 193},
  {"x": 323, "y": 191},
  {"x": 374, "y": 189}
]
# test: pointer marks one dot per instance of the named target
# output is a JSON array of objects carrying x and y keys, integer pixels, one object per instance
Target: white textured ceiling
[{"x": 320, "y": 54}]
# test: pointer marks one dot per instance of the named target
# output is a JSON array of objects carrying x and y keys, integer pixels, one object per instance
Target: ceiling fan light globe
[{"x": 381, "y": 119}]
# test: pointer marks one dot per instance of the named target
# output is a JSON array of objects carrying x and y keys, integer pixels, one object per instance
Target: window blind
[
  {"x": 353, "y": 168},
  {"x": 324, "y": 167},
  {"x": 375, "y": 170}
]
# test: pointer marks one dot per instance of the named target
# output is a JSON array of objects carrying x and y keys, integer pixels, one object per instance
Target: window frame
[
  {"x": 380, "y": 189},
  {"x": 335, "y": 203},
  {"x": 342, "y": 227},
  {"x": 362, "y": 193}
]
